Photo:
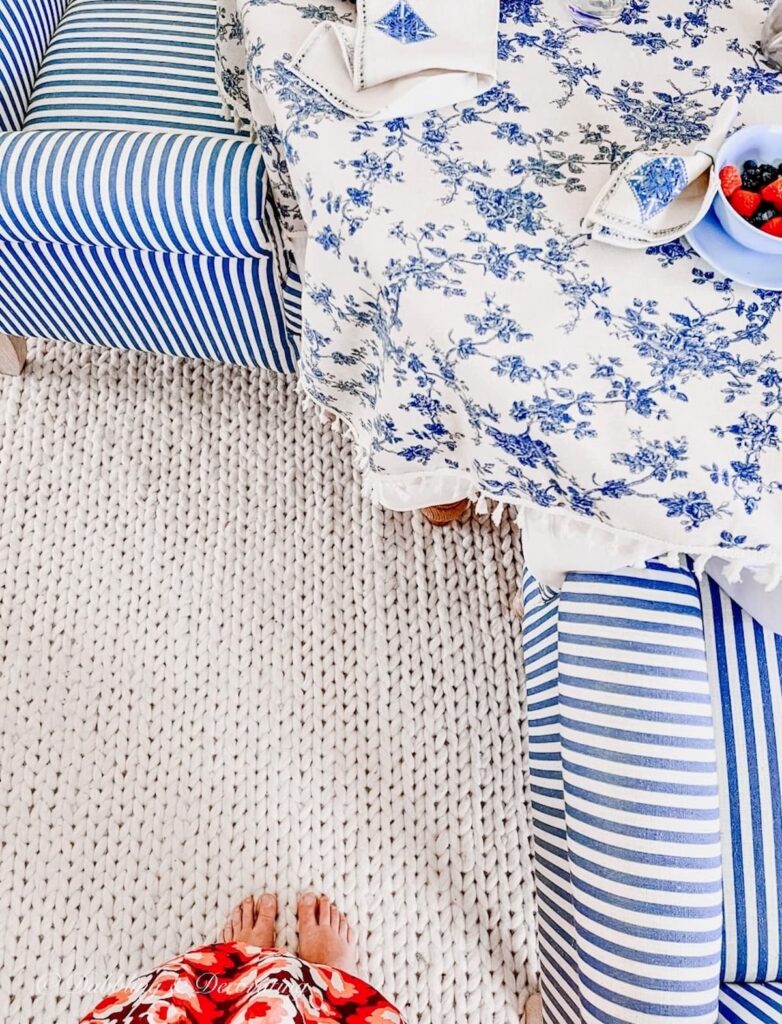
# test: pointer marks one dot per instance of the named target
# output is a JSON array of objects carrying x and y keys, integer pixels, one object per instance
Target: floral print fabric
[
  {"x": 460, "y": 320},
  {"x": 236, "y": 984}
]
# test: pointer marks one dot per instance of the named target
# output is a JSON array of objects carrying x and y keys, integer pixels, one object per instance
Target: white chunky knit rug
[{"x": 222, "y": 669}]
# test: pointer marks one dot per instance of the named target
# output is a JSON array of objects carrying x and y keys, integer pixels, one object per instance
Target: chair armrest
[
  {"x": 642, "y": 813},
  {"x": 153, "y": 191},
  {"x": 26, "y": 29}
]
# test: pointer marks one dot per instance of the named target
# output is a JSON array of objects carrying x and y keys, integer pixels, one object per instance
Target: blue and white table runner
[{"x": 458, "y": 317}]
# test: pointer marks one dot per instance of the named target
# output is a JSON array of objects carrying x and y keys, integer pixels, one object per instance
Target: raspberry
[
  {"x": 773, "y": 227},
  {"x": 745, "y": 203},
  {"x": 773, "y": 193},
  {"x": 730, "y": 179}
]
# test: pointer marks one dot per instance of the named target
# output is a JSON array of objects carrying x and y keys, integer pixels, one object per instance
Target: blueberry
[
  {"x": 769, "y": 173},
  {"x": 750, "y": 165}
]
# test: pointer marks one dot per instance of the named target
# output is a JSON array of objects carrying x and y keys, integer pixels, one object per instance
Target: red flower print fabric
[{"x": 232, "y": 983}]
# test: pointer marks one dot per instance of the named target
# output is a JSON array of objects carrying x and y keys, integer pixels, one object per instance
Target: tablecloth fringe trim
[
  {"x": 231, "y": 114},
  {"x": 339, "y": 425},
  {"x": 767, "y": 572}
]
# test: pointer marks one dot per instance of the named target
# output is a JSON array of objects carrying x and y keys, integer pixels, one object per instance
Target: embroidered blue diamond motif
[
  {"x": 402, "y": 23},
  {"x": 657, "y": 183}
]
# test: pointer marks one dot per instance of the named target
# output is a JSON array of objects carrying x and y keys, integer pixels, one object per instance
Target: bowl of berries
[{"x": 749, "y": 200}]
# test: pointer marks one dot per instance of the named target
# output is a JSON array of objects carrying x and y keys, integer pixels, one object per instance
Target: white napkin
[
  {"x": 654, "y": 198},
  {"x": 403, "y": 57}
]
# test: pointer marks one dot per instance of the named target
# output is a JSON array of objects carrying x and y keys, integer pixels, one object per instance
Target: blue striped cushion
[
  {"x": 746, "y": 664},
  {"x": 229, "y": 310},
  {"x": 140, "y": 190},
  {"x": 131, "y": 64},
  {"x": 751, "y": 1004},
  {"x": 634, "y": 845},
  {"x": 26, "y": 28}
]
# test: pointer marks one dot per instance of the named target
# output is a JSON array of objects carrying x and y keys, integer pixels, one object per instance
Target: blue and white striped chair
[
  {"x": 655, "y": 727},
  {"x": 131, "y": 213}
]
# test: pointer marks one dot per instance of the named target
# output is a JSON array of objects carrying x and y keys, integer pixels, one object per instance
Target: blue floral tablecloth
[{"x": 474, "y": 338}]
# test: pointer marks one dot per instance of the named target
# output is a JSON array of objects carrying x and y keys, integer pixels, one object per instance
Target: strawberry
[
  {"x": 773, "y": 227},
  {"x": 730, "y": 179},
  {"x": 773, "y": 193},
  {"x": 745, "y": 203}
]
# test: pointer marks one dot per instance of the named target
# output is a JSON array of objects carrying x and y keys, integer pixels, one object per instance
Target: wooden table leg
[
  {"x": 533, "y": 1011},
  {"x": 442, "y": 515},
  {"x": 13, "y": 353}
]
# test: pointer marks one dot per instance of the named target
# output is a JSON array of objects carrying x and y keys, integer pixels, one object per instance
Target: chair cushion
[
  {"x": 131, "y": 64},
  {"x": 745, "y": 664}
]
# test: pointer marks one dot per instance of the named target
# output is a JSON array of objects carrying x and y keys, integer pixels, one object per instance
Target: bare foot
[
  {"x": 253, "y": 922},
  {"x": 325, "y": 937}
]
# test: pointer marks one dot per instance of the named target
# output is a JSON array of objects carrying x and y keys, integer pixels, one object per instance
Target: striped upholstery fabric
[
  {"x": 225, "y": 309},
  {"x": 140, "y": 190},
  {"x": 26, "y": 29},
  {"x": 556, "y": 928},
  {"x": 751, "y": 1004},
  {"x": 746, "y": 664},
  {"x": 291, "y": 294},
  {"x": 131, "y": 64},
  {"x": 635, "y": 838},
  {"x": 131, "y": 214}
]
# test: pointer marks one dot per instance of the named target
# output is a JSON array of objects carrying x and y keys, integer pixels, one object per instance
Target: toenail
[
  {"x": 267, "y": 902},
  {"x": 308, "y": 898}
]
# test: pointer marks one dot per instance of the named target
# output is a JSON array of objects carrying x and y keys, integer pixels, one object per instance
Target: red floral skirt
[{"x": 232, "y": 983}]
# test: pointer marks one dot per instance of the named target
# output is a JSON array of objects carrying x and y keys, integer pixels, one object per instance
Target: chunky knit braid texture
[{"x": 221, "y": 669}]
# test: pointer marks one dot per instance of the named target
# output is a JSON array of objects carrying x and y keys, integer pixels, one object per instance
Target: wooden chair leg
[
  {"x": 13, "y": 354},
  {"x": 442, "y": 515}
]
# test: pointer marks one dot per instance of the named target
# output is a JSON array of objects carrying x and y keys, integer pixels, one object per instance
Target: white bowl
[{"x": 762, "y": 143}]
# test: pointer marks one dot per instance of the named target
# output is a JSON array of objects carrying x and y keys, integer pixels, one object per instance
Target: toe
[
  {"x": 351, "y": 936},
  {"x": 344, "y": 927},
  {"x": 236, "y": 920},
  {"x": 267, "y": 906},
  {"x": 248, "y": 912},
  {"x": 265, "y": 920},
  {"x": 324, "y": 912},
  {"x": 308, "y": 903},
  {"x": 336, "y": 917},
  {"x": 227, "y": 934}
]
